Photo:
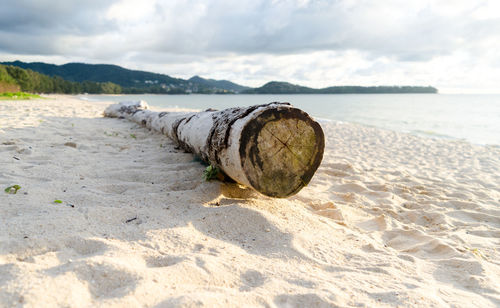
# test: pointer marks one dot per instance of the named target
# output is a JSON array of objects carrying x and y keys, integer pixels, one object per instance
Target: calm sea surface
[{"x": 475, "y": 118}]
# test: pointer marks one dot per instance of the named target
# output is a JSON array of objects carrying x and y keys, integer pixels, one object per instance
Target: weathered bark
[{"x": 272, "y": 148}]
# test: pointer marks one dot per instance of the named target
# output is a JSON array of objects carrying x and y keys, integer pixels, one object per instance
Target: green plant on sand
[
  {"x": 17, "y": 96},
  {"x": 12, "y": 189},
  {"x": 210, "y": 173}
]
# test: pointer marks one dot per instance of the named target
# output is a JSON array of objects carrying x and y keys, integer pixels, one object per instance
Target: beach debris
[
  {"x": 273, "y": 148},
  {"x": 112, "y": 134},
  {"x": 57, "y": 201},
  {"x": 12, "y": 189},
  {"x": 70, "y": 144},
  {"x": 130, "y": 220},
  {"x": 476, "y": 252}
]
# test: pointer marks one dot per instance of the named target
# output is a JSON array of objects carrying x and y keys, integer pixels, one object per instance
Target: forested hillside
[
  {"x": 13, "y": 77},
  {"x": 131, "y": 81},
  {"x": 75, "y": 78},
  {"x": 275, "y": 87},
  {"x": 7, "y": 83}
]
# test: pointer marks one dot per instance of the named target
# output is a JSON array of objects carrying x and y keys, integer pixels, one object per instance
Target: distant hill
[
  {"x": 132, "y": 81},
  {"x": 97, "y": 72},
  {"x": 136, "y": 82},
  {"x": 377, "y": 90},
  {"x": 219, "y": 84},
  {"x": 14, "y": 78},
  {"x": 277, "y": 87}
]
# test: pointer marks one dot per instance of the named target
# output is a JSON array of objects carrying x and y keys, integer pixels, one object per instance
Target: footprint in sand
[
  {"x": 252, "y": 279},
  {"x": 128, "y": 176},
  {"x": 170, "y": 179},
  {"x": 351, "y": 187},
  {"x": 163, "y": 261},
  {"x": 117, "y": 188},
  {"x": 303, "y": 283},
  {"x": 428, "y": 219},
  {"x": 464, "y": 274},
  {"x": 327, "y": 209},
  {"x": 416, "y": 243},
  {"x": 379, "y": 187},
  {"x": 302, "y": 300},
  {"x": 337, "y": 170},
  {"x": 474, "y": 217},
  {"x": 106, "y": 280},
  {"x": 375, "y": 224},
  {"x": 86, "y": 247}
]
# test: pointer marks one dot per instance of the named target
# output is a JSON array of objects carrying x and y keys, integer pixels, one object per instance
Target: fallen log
[{"x": 273, "y": 148}]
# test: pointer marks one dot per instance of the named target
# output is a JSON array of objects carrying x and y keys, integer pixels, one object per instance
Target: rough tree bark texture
[{"x": 273, "y": 148}]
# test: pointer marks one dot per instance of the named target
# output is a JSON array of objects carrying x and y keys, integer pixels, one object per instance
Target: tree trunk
[{"x": 272, "y": 148}]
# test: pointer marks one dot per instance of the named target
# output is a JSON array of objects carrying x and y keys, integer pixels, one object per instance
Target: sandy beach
[{"x": 389, "y": 220}]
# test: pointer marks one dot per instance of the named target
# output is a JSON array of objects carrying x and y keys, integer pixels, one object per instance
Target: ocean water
[{"x": 474, "y": 118}]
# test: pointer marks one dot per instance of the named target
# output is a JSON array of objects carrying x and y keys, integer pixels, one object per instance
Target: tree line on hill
[
  {"x": 13, "y": 77},
  {"x": 275, "y": 87},
  {"x": 130, "y": 81},
  {"x": 74, "y": 78}
]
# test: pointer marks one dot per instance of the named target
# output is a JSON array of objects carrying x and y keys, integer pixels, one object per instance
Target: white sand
[{"x": 388, "y": 220}]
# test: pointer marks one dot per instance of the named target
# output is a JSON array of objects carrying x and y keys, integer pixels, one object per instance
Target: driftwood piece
[{"x": 273, "y": 148}]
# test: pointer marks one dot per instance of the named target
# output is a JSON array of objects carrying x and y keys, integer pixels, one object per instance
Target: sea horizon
[{"x": 444, "y": 116}]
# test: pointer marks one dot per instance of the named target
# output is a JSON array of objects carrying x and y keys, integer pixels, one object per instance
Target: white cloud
[{"x": 448, "y": 44}]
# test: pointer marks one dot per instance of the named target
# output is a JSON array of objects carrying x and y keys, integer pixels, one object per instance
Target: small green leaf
[
  {"x": 57, "y": 201},
  {"x": 210, "y": 173},
  {"x": 133, "y": 136},
  {"x": 12, "y": 189}
]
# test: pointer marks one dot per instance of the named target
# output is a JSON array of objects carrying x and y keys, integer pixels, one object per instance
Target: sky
[{"x": 453, "y": 45}]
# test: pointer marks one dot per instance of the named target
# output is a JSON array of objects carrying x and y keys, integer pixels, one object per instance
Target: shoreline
[
  {"x": 424, "y": 116},
  {"x": 388, "y": 219}
]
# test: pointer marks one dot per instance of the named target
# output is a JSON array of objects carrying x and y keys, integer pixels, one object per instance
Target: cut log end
[{"x": 280, "y": 151}]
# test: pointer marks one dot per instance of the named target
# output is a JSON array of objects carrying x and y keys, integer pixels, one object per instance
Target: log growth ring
[{"x": 280, "y": 151}]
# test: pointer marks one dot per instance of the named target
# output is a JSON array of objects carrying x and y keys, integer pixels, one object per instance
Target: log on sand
[{"x": 272, "y": 148}]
